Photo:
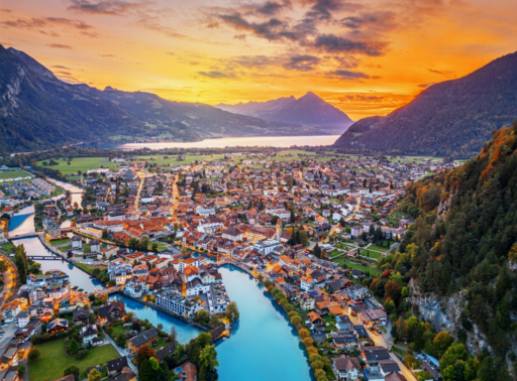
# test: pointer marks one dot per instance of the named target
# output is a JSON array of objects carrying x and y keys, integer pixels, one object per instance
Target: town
[{"x": 158, "y": 230}]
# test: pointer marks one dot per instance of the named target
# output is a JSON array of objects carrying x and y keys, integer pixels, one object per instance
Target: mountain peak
[
  {"x": 310, "y": 96},
  {"x": 309, "y": 111}
]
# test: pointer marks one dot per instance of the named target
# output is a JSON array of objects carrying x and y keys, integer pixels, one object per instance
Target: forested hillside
[{"x": 462, "y": 252}]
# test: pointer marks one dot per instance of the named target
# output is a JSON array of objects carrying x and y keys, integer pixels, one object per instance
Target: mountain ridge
[
  {"x": 451, "y": 118},
  {"x": 37, "y": 109},
  {"x": 307, "y": 110}
]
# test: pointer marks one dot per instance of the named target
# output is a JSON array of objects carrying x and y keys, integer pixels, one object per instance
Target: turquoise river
[{"x": 262, "y": 347}]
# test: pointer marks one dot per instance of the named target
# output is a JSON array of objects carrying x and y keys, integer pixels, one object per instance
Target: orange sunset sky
[{"x": 365, "y": 57}]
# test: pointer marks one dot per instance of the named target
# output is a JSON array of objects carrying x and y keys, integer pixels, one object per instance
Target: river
[
  {"x": 184, "y": 332},
  {"x": 257, "y": 141},
  {"x": 78, "y": 278},
  {"x": 262, "y": 347},
  {"x": 22, "y": 222},
  {"x": 76, "y": 193}
]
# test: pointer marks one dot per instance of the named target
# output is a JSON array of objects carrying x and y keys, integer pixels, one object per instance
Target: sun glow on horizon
[{"x": 365, "y": 58}]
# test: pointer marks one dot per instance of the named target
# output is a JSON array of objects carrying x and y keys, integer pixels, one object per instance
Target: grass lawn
[
  {"x": 53, "y": 360},
  {"x": 350, "y": 264},
  {"x": 77, "y": 164},
  {"x": 89, "y": 268},
  {"x": 14, "y": 173}
]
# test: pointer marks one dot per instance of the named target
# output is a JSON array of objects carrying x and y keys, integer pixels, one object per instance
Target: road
[
  {"x": 6, "y": 337},
  {"x": 175, "y": 196}
]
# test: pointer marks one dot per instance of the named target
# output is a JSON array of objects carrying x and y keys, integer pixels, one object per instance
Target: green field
[
  {"x": 174, "y": 160},
  {"x": 13, "y": 173},
  {"x": 62, "y": 244},
  {"x": 78, "y": 164},
  {"x": 53, "y": 360}
]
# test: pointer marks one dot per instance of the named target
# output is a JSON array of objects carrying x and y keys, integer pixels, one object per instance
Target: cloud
[
  {"x": 216, "y": 74},
  {"x": 441, "y": 72},
  {"x": 105, "y": 7},
  {"x": 59, "y": 46},
  {"x": 43, "y": 23},
  {"x": 153, "y": 23},
  {"x": 301, "y": 62},
  {"x": 323, "y": 9},
  {"x": 378, "y": 20},
  {"x": 61, "y": 67},
  {"x": 254, "y": 61},
  {"x": 336, "y": 44},
  {"x": 271, "y": 29},
  {"x": 270, "y": 8},
  {"x": 349, "y": 74}
]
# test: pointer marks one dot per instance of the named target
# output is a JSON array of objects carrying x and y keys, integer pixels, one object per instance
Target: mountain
[
  {"x": 461, "y": 252},
  {"x": 309, "y": 111},
  {"x": 38, "y": 110},
  {"x": 453, "y": 118}
]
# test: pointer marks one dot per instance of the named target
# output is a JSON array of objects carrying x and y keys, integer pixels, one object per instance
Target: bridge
[
  {"x": 23, "y": 236},
  {"x": 44, "y": 257}
]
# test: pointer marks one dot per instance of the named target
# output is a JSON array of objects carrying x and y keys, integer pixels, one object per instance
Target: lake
[{"x": 257, "y": 141}]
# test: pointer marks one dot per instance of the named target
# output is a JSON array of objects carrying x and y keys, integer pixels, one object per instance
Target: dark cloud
[
  {"x": 270, "y": 8},
  {"x": 61, "y": 67},
  {"x": 43, "y": 23},
  {"x": 59, "y": 46},
  {"x": 441, "y": 72},
  {"x": 272, "y": 29},
  {"x": 336, "y": 44},
  {"x": 379, "y": 20},
  {"x": 301, "y": 62},
  {"x": 323, "y": 9},
  {"x": 349, "y": 74},
  {"x": 105, "y": 7},
  {"x": 216, "y": 74}
]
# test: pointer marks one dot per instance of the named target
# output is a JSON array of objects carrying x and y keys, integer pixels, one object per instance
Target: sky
[{"x": 366, "y": 57}]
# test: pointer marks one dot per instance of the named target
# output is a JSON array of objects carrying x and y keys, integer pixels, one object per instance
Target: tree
[
  {"x": 144, "y": 353},
  {"x": 202, "y": 317},
  {"x": 73, "y": 370},
  {"x": 232, "y": 312},
  {"x": 454, "y": 353},
  {"x": 317, "y": 251},
  {"x": 208, "y": 363},
  {"x": 441, "y": 341},
  {"x": 21, "y": 262},
  {"x": 34, "y": 354},
  {"x": 21, "y": 371},
  {"x": 94, "y": 375}
]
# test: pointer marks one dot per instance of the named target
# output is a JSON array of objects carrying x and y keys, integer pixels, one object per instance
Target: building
[
  {"x": 143, "y": 338},
  {"x": 347, "y": 368}
]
